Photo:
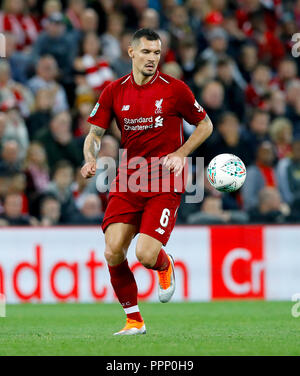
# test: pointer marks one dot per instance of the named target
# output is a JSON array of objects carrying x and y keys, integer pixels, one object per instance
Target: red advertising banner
[{"x": 237, "y": 262}]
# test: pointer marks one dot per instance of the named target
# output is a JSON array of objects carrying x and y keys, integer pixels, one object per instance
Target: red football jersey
[{"x": 149, "y": 117}]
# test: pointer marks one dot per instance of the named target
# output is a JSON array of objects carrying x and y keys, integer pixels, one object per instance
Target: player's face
[{"x": 145, "y": 56}]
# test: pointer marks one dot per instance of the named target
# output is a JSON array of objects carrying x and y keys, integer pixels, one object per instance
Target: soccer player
[{"x": 148, "y": 107}]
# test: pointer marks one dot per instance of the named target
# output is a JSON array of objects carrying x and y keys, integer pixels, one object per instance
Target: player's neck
[{"x": 140, "y": 79}]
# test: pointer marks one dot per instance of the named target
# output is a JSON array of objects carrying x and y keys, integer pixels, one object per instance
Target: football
[{"x": 226, "y": 172}]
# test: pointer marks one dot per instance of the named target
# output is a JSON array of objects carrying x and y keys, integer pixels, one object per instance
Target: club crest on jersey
[
  {"x": 94, "y": 110},
  {"x": 158, "y": 105}
]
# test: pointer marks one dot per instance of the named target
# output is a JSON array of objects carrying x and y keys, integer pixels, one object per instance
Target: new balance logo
[
  {"x": 158, "y": 121},
  {"x": 125, "y": 107},
  {"x": 160, "y": 231}
]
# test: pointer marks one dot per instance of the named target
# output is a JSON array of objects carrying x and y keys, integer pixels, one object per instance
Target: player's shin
[{"x": 125, "y": 287}]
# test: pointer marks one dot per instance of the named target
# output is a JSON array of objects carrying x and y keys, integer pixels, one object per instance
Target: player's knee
[
  {"x": 114, "y": 252},
  {"x": 113, "y": 258},
  {"x": 146, "y": 258}
]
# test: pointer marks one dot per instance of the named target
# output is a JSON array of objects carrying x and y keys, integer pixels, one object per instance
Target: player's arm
[
  {"x": 100, "y": 119},
  {"x": 91, "y": 148},
  {"x": 201, "y": 133},
  {"x": 175, "y": 161}
]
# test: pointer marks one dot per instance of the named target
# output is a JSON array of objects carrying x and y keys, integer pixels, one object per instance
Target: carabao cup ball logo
[{"x": 235, "y": 168}]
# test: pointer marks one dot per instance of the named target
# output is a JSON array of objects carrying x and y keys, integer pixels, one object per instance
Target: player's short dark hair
[{"x": 149, "y": 34}]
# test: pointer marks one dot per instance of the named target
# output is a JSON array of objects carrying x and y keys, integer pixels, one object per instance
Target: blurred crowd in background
[{"x": 235, "y": 55}]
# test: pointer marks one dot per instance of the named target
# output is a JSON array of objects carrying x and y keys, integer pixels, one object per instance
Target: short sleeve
[
  {"x": 102, "y": 112},
  {"x": 187, "y": 106}
]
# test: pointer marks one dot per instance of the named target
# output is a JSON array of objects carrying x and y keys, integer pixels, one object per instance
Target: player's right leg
[{"x": 118, "y": 237}]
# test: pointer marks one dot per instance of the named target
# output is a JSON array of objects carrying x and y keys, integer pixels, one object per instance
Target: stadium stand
[{"x": 234, "y": 54}]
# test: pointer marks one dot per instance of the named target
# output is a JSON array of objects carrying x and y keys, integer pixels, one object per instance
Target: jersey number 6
[{"x": 164, "y": 219}]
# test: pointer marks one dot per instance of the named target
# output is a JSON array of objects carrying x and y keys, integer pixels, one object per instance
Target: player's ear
[{"x": 130, "y": 51}]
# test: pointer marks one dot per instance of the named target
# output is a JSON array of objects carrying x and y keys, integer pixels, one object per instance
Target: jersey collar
[{"x": 156, "y": 74}]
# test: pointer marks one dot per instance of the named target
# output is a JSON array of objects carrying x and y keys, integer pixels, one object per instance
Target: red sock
[
  {"x": 124, "y": 285},
  {"x": 162, "y": 262}
]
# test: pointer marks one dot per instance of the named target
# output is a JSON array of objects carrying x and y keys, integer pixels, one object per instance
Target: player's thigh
[
  {"x": 147, "y": 250},
  {"x": 118, "y": 237},
  {"x": 160, "y": 215}
]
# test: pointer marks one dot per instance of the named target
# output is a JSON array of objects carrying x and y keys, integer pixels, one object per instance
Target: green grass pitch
[{"x": 214, "y": 328}]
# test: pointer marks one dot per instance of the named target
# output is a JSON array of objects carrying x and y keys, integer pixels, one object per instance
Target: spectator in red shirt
[
  {"x": 259, "y": 88},
  {"x": 286, "y": 72},
  {"x": 96, "y": 71},
  {"x": 12, "y": 215},
  {"x": 18, "y": 185},
  {"x": 271, "y": 49},
  {"x": 74, "y": 11},
  {"x": 13, "y": 94},
  {"x": 297, "y": 13},
  {"x": 167, "y": 54},
  {"x": 15, "y": 20}
]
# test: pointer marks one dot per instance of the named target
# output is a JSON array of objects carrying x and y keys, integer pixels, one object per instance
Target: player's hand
[
  {"x": 88, "y": 170},
  {"x": 174, "y": 162}
]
